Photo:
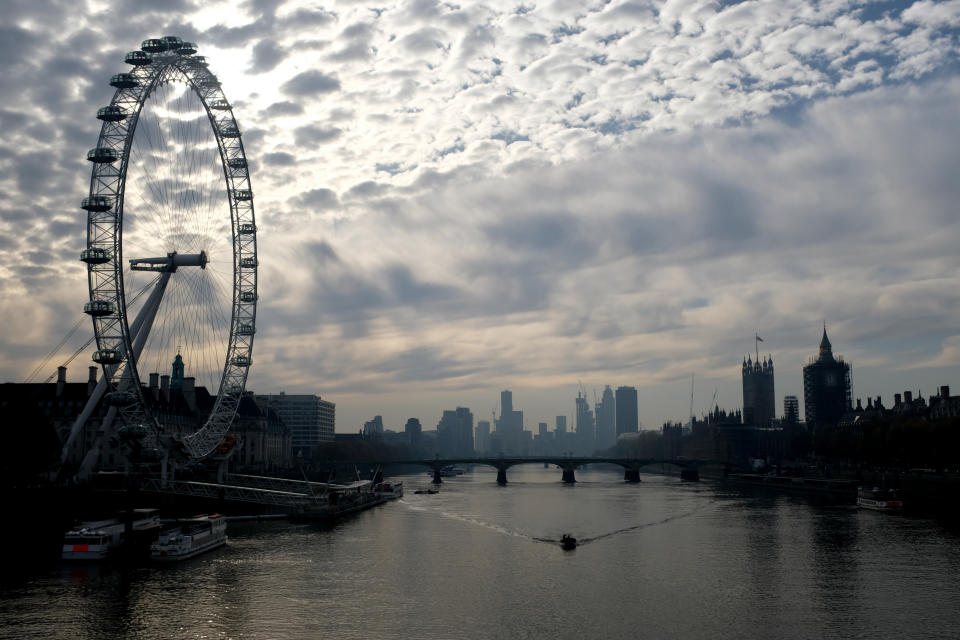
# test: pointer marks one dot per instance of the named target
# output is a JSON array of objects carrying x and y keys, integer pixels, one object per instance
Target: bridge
[{"x": 689, "y": 469}]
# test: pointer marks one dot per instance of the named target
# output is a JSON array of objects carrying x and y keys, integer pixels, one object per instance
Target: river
[{"x": 662, "y": 559}]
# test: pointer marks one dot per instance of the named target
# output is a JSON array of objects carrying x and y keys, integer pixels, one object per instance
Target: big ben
[{"x": 826, "y": 387}]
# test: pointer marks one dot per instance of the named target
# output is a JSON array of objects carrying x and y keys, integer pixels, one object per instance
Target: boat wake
[{"x": 637, "y": 527}]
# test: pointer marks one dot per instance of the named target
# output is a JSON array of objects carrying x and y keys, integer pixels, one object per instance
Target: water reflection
[{"x": 664, "y": 559}]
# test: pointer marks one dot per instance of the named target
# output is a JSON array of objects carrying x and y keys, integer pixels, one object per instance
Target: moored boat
[
  {"x": 340, "y": 500},
  {"x": 568, "y": 542},
  {"x": 190, "y": 537},
  {"x": 99, "y": 539},
  {"x": 879, "y": 499},
  {"x": 389, "y": 490}
]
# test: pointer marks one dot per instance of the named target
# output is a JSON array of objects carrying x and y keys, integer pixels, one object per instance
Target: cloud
[
  {"x": 530, "y": 194},
  {"x": 311, "y": 83},
  {"x": 266, "y": 56}
]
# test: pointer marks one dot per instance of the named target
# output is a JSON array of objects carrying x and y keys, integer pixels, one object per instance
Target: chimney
[
  {"x": 92, "y": 381},
  {"x": 897, "y": 400},
  {"x": 877, "y": 404},
  {"x": 869, "y": 403},
  {"x": 187, "y": 389},
  {"x": 908, "y": 397},
  {"x": 944, "y": 392},
  {"x": 155, "y": 386},
  {"x": 859, "y": 406},
  {"x": 61, "y": 380},
  {"x": 165, "y": 387}
]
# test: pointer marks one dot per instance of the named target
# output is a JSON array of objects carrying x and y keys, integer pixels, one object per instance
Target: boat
[
  {"x": 568, "y": 542},
  {"x": 99, "y": 539},
  {"x": 389, "y": 490},
  {"x": 879, "y": 499},
  {"x": 829, "y": 487},
  {"x": 190, "y": 537},
  {"x": 426, "y": 491},
  {"x": 338, "y": 500}
]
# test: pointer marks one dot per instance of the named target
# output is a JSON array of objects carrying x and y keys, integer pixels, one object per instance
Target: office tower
[
  {"x": 310, "y": 419},
  {"x": 413, "y": 430},
  {"x": 483, "y": 436},
  {"x": 627, "y": 418},
  {"x": 606, "y": 419}
]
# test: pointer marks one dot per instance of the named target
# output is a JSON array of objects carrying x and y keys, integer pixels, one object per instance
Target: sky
[{"x": 455, "y": 198}]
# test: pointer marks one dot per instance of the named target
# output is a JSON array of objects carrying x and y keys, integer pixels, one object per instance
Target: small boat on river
[
  {"x": 568, "y": 542},
  {"x": 190, "y": 537},
  {"x": 878, "y": 499}
]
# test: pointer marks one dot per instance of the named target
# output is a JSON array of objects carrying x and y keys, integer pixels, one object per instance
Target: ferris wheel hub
[{"x": 170, "y": 263}]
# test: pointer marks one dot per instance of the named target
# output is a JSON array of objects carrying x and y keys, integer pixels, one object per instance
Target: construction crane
[{"x": 691, "y": 400}]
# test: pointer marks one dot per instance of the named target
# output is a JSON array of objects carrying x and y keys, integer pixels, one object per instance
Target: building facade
[
  {"x": 791, "y": 410},
  {"x": 311, "y": 420},
  {"x": 627, "y": 418},
  {"x": 759, "y": 398},
  {"x": 606, "y": 419},
  {"x": 826, "y": 387}
]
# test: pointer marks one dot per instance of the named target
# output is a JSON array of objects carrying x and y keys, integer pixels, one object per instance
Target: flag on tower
[{"x": 759, "y": 339}]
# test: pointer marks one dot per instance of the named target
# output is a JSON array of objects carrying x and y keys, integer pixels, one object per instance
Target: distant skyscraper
[
  {"x": 455, "y": 432},
  {"x": 561, "y": 424},
  {"x": 509, "y": 427},
  {"x": 606, "y": 419},
  {"x": 627, "y": 418},
  {"x": 482, "y": 442},
  {"x": 826, "y": 387},
  {"x": 759, "y": 399},
  {"x": 373, "y": 428},
  {"x": 791, "y": 410},
  {"x": 586, "y": 438},
  {"x": 413, "y": 429}
]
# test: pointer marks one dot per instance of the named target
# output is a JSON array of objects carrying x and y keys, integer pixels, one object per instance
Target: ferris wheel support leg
[{"x": 146, "y": 315}]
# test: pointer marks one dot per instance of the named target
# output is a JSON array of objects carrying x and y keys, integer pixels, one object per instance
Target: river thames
[{"x": 662, "y": 559}]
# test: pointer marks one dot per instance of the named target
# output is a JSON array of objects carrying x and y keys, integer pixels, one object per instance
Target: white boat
[
  {"x": 389, "y": 490},
  {"x": 190, "y": 537},
  {"x": 879, "y": 499},
  {"x": 98, "y": 539}
]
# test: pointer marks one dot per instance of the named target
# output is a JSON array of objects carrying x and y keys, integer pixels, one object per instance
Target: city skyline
[{"x": 456, "y": 201}]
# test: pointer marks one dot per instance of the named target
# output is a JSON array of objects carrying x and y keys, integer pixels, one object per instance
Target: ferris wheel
[{"x": 171, "y": 248}]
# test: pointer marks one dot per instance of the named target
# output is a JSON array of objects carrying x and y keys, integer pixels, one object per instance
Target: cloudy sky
[{"x": 459, "y": 197}]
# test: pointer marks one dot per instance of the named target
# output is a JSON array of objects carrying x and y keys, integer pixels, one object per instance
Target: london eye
[{"x": 171, "y": 248}]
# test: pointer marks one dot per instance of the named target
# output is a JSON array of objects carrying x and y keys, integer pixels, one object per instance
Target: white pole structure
[{"x": 140, "y": 329}]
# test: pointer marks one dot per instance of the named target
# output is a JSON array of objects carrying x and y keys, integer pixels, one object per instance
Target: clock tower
[{"x": 826, "y": 387}]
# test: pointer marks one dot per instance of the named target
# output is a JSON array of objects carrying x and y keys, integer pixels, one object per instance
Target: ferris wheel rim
[{"x": 155, "y": 63}]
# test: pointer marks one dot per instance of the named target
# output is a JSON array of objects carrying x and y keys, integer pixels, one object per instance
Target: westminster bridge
[{"x": 689, "y": 469}]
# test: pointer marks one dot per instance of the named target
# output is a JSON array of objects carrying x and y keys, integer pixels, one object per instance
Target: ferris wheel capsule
[
  {"x": 123, "y": 81},
  {"x": 97, "y": 204},
  {"x": 107, "y": 356},
  {"x": 154, "y": 45},
  {"x": 111, "y": 113},
  {"x": 99, "y": 308},
  {"x": 138, "y": 58},
  {"x": 174, "y": 43},
  {"x": 103, "y": 154},
  {"x": 187, "y": 49},
  {"x": 96, "y": 255}
]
